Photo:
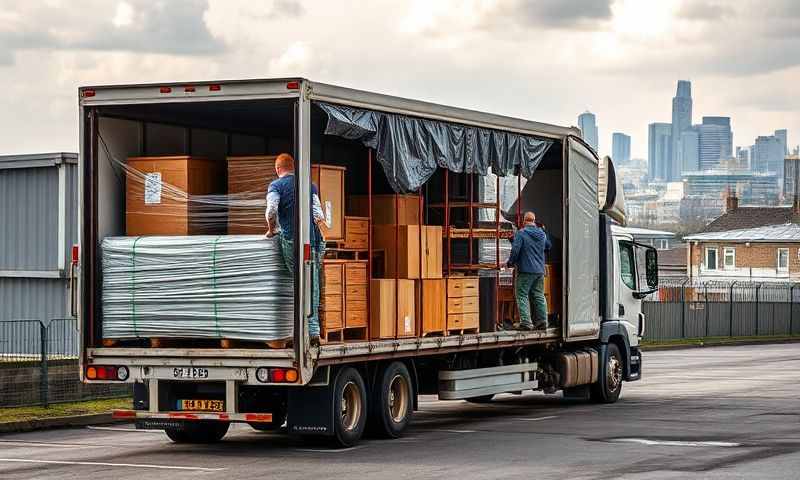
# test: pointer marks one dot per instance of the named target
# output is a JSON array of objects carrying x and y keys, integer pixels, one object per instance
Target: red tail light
[
  {"x": 75, "y": 254},
  {"x": 215, "y": 88},
  {"x": 277, "y": 375},
  {"x": 294, "y": 85},
  {"x": 307, "y": 252},
  {"x": 165, "y": 89},
  {"x": 107, "y": 372},
  {"x": 89, "y": 92},
  {"x": 188, "y": 89}
]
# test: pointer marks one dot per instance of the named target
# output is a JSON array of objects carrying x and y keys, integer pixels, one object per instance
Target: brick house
[{"x": 747, "y": 243}]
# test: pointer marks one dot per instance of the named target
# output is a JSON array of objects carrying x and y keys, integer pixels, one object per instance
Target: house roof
[
  {"x": 646, "y": 232},
  {"x": 787, "y": 232},
  {"x": 751, "y": 217}
]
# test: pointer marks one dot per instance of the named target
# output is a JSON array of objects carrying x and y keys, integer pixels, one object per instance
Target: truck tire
[
  {"x": 609, "y": 385},
  {"x": 392, "y": 401},
  {"x": 198, "y": 432},
  {"x": 349, "y": 407},
  {"x": 481, "y": 399}
]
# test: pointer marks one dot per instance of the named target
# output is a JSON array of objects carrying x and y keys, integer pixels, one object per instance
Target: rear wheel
[
  {"x": 392, "y": 401},
  {"x": 609, "y": 385},
  {"x": 198, "y": 432},
  {"x": 350, "y": 407}
]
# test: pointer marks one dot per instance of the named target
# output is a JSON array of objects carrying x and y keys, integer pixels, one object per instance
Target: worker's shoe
[
  {"x": 314, "y": 340},
  {"x": 523, "y": 327},
  {"x": 540, "y": 326}
]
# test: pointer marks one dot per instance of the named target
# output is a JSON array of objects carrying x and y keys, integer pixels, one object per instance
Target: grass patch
[
  {"x": 707, "y": 341},
  {"x": 17, "y": 414}
]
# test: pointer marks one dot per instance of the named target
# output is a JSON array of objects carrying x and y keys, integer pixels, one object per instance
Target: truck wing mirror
[{"x": 647, "y": 270}]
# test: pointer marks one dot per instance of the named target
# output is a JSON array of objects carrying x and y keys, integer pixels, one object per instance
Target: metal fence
[
  {"x": 39, "y": 364},
  {"x": 691, "y": 309}
]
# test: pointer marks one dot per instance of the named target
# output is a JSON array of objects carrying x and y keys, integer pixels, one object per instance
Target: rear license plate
[
  {"x": 190, "y": 372},
  {"x": 202, "y": 405}
]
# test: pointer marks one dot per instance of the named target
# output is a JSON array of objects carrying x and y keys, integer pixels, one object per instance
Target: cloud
[
  {"x": 706, "y": 10},
  {"x": 560, "y": 13}
]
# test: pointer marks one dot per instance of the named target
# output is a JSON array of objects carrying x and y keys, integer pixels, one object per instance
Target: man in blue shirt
[
  {"x": 280, "y": 220},
  {"x": 527, "y": 255}
]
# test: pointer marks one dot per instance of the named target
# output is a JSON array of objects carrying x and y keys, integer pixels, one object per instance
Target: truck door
[{"x": 636, "y": 274}]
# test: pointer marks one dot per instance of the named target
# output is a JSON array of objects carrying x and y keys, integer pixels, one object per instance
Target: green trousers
[
  {"x": 531, "y": 285},
  {"x": 287, "y": 249}
]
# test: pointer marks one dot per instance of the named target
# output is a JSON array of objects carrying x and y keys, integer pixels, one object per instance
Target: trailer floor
[{"x": 725, "y": 412}]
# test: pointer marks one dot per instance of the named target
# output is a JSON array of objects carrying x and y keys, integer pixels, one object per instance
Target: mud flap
[{"x": 310, "y": 411}]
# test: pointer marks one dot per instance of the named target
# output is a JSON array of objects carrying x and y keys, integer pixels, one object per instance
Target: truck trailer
[{"x": 194, "y": 388}]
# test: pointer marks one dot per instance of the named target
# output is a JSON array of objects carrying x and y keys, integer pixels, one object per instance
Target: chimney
[{"x": 731, "y": 202}]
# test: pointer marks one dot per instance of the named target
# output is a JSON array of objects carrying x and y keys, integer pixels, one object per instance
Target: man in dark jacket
[{"x": 527, "y": 255}]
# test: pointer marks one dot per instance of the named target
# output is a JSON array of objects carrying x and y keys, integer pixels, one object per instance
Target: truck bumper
[{"x": 162, "y": 420}]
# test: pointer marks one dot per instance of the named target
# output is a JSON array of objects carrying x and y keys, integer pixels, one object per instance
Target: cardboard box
[
  {"x": 248, "y": 180},
  {"x": 409, "y": 247},
  {"x": 431, "y": 297},
  {"x": 383, "y": 209},
  {"x": 390, "y": 317},
  {"x": 329, "y": 179},
  {"x": 158, "y": 197}
]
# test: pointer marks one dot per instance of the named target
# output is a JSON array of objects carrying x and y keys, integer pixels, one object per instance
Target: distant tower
[
  {"x": 681, "y": 121},
  {"x": 588, "y": 126},
  {"x": 620, "y": 148},
  {"x": 783, "y": 136}
]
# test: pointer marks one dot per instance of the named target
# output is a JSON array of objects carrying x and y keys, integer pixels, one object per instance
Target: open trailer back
[{"x": 181, "y": 294}]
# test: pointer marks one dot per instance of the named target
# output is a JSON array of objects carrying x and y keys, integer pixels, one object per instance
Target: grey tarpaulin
[
  {"x": 411, "y": 149},
  {"x": 202, "y": 286}
]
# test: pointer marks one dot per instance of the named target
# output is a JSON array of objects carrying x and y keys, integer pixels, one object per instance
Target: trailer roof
[{"x": 266, "y": 88}]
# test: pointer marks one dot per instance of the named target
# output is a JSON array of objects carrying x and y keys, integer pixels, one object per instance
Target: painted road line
[
  {"x": 109, "y": 464},
  {"x": 536, "y": 419},
  {"x": 23, "y": 443},
  {"x": 676, "y": 443}
]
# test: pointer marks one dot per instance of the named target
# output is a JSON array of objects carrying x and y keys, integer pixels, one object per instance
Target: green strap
[
  {"x": 133, "y": 287},
  {"x": 214, "y": 286}
]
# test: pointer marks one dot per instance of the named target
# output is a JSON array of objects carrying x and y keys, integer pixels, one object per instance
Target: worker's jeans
[
  {"x": 531, "y": 285},
  {"x": 287, "y": 249}
]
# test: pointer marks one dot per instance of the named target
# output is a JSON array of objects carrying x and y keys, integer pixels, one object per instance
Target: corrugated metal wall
[{"x": 33, "y": 282}]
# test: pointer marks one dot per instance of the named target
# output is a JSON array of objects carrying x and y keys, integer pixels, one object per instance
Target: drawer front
[
  {"x": 331, "y": 320},
  {"x": 356, "y": 225},
  {"x": 332, "y": 303},
  {"x": 356, "y": 273},
  {"x": 356, "y": 318},
  {"x": 360, "y": 305},
  {"x": 356, "y": 240},
  {"x": 462, "y": 287},
  {"x": 462, "y": 305},
  {"x": 333, "y": 278},
  {"x": 356, "y": 292},
  {"x": 462, "y": 321}
]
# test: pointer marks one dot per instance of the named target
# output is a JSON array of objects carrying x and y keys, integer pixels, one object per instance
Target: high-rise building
[
  {"x": 681, "y": 121},
  {"x": 768, "y": 155},
  {"x": 620, "y": 148},
  {"x": 743, "y": 156},
  {"x": 716, "y": 141},
  {"x": 588, "y": 125},
  {"x": 659, "y": 140},
  {"x": 790, "y": 164},
  {"x": 783, "y": 136},
  {"x": 689, "y": 151}
]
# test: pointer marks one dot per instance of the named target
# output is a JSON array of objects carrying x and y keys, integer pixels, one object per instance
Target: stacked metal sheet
[{"x": 230, "y": 286}]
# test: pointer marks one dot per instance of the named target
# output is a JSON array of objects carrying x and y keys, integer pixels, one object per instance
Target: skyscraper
[
  {"x": 743, "y": 157},
  {"x": 715, "y": 141},
  {"x": 620, "y": 148},
  {"x": 681, "y": 121},
  {"x": 689, "y": 151},
  {"x": 659, "y": 139},
  {"x": 588, "y": 126},
  {"x": 783, "y": 136},
  {"x": 768, "y": 155}
]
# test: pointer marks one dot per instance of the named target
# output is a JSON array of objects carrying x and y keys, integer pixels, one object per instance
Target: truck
[{"x": 194, "y": 391}]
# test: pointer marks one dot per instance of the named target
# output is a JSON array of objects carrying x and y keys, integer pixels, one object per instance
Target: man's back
[{"x": 528, "y": 248}]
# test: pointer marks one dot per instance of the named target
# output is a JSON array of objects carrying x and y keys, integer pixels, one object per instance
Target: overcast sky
[{"x": 546, "y": 60}]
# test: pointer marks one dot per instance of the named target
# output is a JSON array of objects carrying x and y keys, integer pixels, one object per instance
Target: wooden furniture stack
[
  {"x": 248, "y": 180},
  {"x": 343, "y": 309},
  {"x": 408, "y": 247},
  {"x": 387, "y": 209},
  {"x": 392, "y": 308},
  {"x": 431, "y": 296},
  {"x": 462, "y": 305},
  {"x": 329, "y": 180},
  {"x": 158, "y": 197}
]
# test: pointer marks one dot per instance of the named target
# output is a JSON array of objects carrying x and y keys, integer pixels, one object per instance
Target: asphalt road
[{"x": 724, "y": 412}]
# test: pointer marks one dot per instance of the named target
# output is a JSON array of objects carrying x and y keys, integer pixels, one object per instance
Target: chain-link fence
[
  {"x": 685, "y": 308},
  {"x": 39, "y": 364}
]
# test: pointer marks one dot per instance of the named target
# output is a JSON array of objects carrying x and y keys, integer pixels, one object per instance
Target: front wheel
[
  {"x": 198, "y": 432},
  {"x": 350, "y": 407},
  {"x": 609, "y": 385}
]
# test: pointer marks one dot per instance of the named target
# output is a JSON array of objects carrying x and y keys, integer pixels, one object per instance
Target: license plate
[
  {"x": 190, "y": 372},
  {"x": 202, "y": 405}
]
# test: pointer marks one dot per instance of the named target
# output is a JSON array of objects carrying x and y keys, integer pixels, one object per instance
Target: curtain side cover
[{"x": 411, "y": 149}]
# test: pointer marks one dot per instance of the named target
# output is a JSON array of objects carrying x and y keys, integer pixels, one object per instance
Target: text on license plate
[
  {"x": 202, "y": 405},
  {"x": 189, "y": 372}
]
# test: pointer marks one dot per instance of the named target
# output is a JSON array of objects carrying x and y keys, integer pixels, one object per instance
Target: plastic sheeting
[
  {"x": 233, "y": 286},
  {"x": 411, "y": 149}
]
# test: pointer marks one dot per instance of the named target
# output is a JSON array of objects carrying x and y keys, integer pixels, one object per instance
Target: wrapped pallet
[{"x": 234, "y": 287}]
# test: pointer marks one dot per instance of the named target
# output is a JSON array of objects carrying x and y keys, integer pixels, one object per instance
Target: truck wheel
[
  {"x": 349, "y": 407},
  {"x": 392, "y": 401},
  {"x": 481, "y": 399},
  {"x": 198, "y": 432},
  {"x": 609, "y": 385}
]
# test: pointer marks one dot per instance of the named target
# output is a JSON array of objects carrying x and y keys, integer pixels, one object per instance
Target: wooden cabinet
[
  {"x": 391, "y": 308},
  {"x": 329, "y": 179},
  {"x": 355, "y": 294},
  {"x": 386, "y": 209},
  {"x": 331, "y": 299},
  {"x": 409, "y": 247},
  {"x": 344, "y": 297},
  {"x": 356, "y": 233},
  {"x": 158, "y": 197},
  {"x": 248, "y": 180},
  {"x": 432, "y": 301},
  {"x": 552, "y": 288},
  {"x": 463, "y": 308}
]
